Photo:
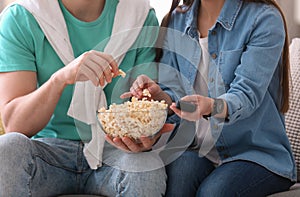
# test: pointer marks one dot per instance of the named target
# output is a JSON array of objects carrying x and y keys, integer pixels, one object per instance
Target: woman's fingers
[
  {"x": 142, "y": 81},
  {"x": 126, "y": 95},
  {"x": 175, "y": 110}
]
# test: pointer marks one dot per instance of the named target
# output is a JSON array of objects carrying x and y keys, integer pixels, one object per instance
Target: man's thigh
[
  {"x": 58, "y": 167},
  {"x": 44, "y": 167},
  {"x": 128, "y": 175}
]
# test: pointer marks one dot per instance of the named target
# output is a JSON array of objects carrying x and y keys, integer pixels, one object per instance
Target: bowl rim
[
  {"x": 150, "y": 136},
  {"x": 126, "y": 111}
]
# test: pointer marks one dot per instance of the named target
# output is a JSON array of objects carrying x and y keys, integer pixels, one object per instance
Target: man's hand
[{"x": 145, "y": 143}]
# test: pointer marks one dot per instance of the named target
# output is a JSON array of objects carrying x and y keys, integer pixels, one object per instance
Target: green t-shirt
[{"x": 24, "y": 46}]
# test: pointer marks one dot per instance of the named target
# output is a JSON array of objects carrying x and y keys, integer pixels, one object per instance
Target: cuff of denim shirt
[
  {"x": 173, "y": 118},
  {"x": 234, "y": 107}
]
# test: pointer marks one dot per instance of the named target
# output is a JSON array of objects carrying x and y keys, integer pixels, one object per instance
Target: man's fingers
[
  {"x": 132, "y": 145},
  {"x": 117, "y": 142},
  {"x": 112, "y": 63},
  {"x": 147, "y": 142}
]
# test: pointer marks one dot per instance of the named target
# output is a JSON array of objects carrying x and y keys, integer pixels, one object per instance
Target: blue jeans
[
  {"x": 51, "y": 167},
  {"x": 191, "y": 175}
]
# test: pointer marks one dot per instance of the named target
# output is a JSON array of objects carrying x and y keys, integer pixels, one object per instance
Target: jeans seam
[
  {"x": 58, "y": 166},
  {"x": 31, "y": 172},
  {"x": 120, "y": 185},
  {"x": 31, "y": 175},
  {"x": 80, "y": 164}
]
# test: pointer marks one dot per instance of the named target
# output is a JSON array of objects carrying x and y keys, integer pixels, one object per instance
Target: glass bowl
[{"x": 133, "y": 124}]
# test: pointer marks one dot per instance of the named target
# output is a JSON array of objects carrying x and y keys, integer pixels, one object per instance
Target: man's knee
[
  {"x": 14, "y": 146},
  {"x": 148, "y": 184},
  {"x": 141, "y": 162}
]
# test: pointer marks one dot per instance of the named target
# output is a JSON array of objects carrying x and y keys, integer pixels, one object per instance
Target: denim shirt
[{"x": 245, "y": 47}]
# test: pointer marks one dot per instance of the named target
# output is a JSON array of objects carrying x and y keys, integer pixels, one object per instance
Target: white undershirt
[{"x": 205, "y": 142}]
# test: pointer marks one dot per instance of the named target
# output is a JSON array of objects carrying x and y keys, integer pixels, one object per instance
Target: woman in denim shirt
[{"x": 230, "y": 58}]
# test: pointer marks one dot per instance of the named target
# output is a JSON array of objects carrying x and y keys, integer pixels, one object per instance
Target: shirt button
[
  {"x": 213, "y": 33},
  {"x": 211, "y": 80},
  {"x": 215, "y": 126},
  {"x": 214, "y": 56},
  {"x": 221, "y": 148},
  {"x": 226, "y": 156}
]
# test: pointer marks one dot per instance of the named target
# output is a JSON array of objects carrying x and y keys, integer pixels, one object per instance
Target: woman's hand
[
  {"x": 128, "y": 145},
  {"x": 204, "y": 107},
  {"x": 92, "y": 65},
  {"x": 143, "y": 82}
]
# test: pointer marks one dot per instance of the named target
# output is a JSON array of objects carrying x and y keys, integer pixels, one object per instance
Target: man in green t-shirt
[{"x": 42, "y": 154}]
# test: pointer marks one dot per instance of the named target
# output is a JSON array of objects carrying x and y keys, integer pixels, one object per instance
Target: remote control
[{"x": 186, "y": 106}]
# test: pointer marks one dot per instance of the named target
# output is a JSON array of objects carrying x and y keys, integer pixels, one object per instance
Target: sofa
[{"x": 292, "y": 117}]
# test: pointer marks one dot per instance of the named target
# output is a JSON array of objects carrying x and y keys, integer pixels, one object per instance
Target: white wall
[
  {"x": 291, "y": 10},
  {"x": 296, "y": 12},
  {"x": 161, "y": 7},
  {"x": 3, "y": 3}
]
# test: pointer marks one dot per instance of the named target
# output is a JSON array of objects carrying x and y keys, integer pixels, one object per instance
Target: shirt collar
[
  {"x": 229, "y": 13},
  {"x": 191, "y": 19},
  {"x": 226, "y": 18}
]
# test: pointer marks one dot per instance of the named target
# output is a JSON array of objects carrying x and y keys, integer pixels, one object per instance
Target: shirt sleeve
[
  {"x": 258, "y": 67},
  {"x": 171, "y": 79},
  {"x": 16, "y": 43}
]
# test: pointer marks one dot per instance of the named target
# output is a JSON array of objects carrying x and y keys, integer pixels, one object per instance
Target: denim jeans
[
  {"x": 191, "y": 175},
  {"x": 51, "y": 167}
]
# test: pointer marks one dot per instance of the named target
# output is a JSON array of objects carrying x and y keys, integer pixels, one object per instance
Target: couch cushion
[
  {"x": 293, "y": 192},
  {"x": 293, "y": 115}
]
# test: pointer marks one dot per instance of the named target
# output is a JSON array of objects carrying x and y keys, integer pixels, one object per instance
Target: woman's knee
[
  {"x": 217, "y": 187},
  {"x": 186, "y": 173}
]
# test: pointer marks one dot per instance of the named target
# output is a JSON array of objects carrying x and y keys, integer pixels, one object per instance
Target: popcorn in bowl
[{"x": 133, "y": 118}]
